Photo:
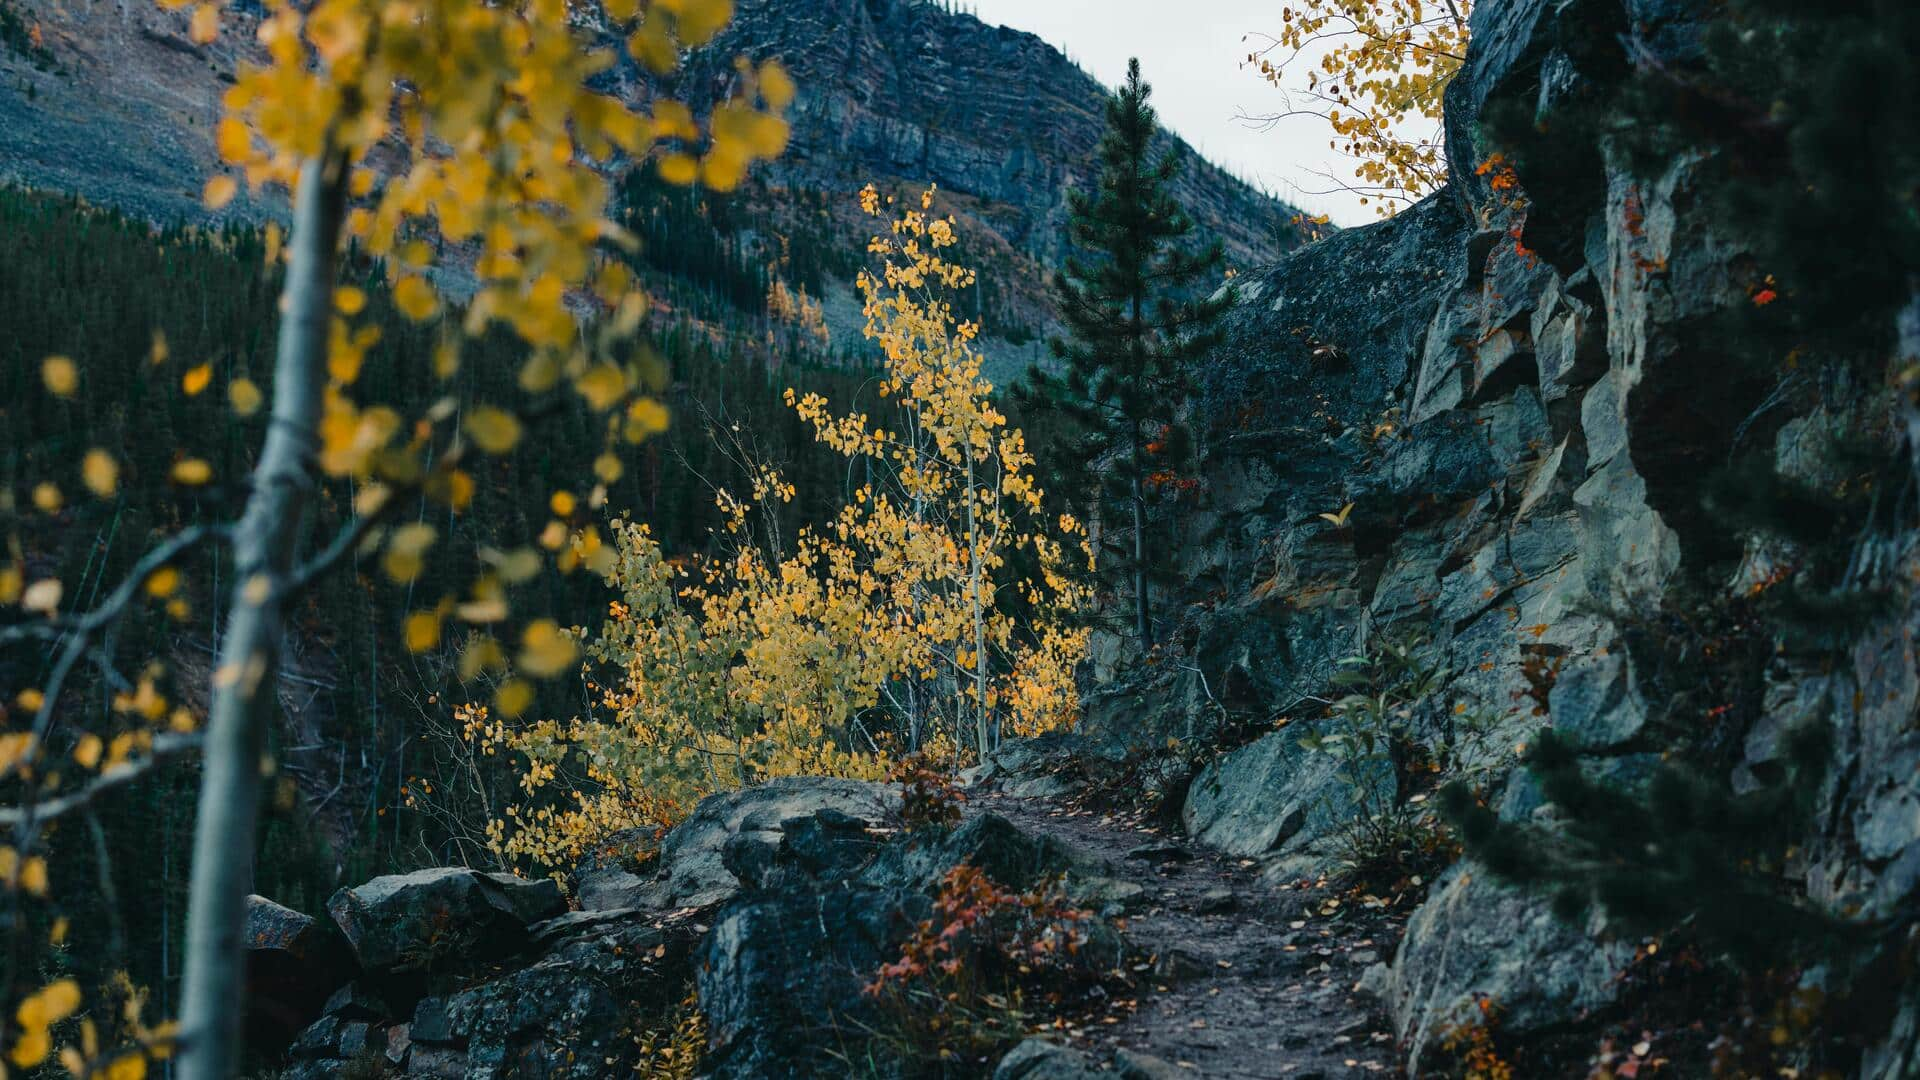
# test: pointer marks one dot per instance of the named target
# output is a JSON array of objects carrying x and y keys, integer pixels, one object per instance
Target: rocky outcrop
[
  {"x": 1476, "y": 940},
  {"x": 1488, "y": 424},
  {"x": 293, "y": 963},
  {"x": 691, "y": 868},
  {"x": 423, "y": 920},
  {"x": 777, "y": 904},
  {"x": 574, "y": 1003},
  {"x": 782, "y": 977},
  {"x": 1285, "y": 803}
]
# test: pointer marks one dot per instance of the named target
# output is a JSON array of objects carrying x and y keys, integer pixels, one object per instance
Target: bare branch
[{"x": 165, "y": 747}]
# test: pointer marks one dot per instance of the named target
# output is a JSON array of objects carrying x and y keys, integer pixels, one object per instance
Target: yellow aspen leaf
[
  {"x": 494, "y": 430},
  {"x": 545, "y": 649},
  {"x": 483, "y": 612},
  {"x": 192, "y": 472},
  {"x": 562, "y": 504},
  {"x": 128, "y": 1066},
  {"x": 679, "y": 169},
  {"x": 646, "y": 417},
  {"x": 767, "y": 136},
  {"x": 456, "y": 490},
  {"x": 336, "y": 30},
  {"x": 232, "y": 140},
  {"x": 244, "y": 396},
  {"x": 651, "y": 46},
  {"x": 481, "y": 655},
  {"x": 60, "y": 376},
  {"x": 58, "y": 935},
  {"x": 196, "y": 379},
  {"x": 205, "y": 25},
  {"x": 11, "y": 583},
  {"x": 343, "y": 362},
  {"x": 517, "y": 566},
  {"x": 163, "y": 582},
  {"x": 415, "y": 298},
  {"x": 14, "y": 746},
  {"x": 349, "y": 300},
  {"x": 553, "y": 536},
  {"x": 422, "y": 631},
  {"x": 776, "y": 86},
  {"x": 539, "y": 373},
  {"x": 603, "y": 386},
  {"x": 86, "y": 752},
  {"x": 46, "y": 498},
  {"x": 407, "y": 551},
  {"x": 219, "y": 192},
  {"x": 257, "y": 589},
  {"x": 696, "y": 21},
  {"x": 608, "y": 468},
  {"x": 724, "y": 167},
  {"x": 272, "y": 244},
  {"x": 513, "y": 697},
  {"x": 31, "y": 1048},
  {"x": 50, "y": 1004}
]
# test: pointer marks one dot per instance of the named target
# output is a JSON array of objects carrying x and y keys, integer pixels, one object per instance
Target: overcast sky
[{"x": 1191, "y": 53}]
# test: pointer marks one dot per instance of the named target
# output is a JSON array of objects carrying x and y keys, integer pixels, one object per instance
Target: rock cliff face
[{"x": 1518, "y": 391}]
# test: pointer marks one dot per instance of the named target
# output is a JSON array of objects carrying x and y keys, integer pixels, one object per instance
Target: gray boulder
[
  {"x": 574, "y": 1008},
  {"x": 1475, "y": 937},
  {"x": 445, "y": 917},
  {"x": 690, "y": 870},
  {"x": 1038, "y": 1059},
  {"x": 1595, "y": 702},
  {"x": 576, "y": 1011},
  {"x": 1045, "y": 766},
  {"x": 293, "y": 962},
  {"x": 783, "y": 975},
  {"x": 1277, "y": 800}
]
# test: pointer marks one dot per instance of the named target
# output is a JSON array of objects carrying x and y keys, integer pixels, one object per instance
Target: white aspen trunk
[
  {"x": 247, "y": 674},
  {"x": 983, "y": 736}
]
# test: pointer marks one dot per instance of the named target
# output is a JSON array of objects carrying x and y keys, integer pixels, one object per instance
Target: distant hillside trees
[{"x": 1137, "y": 315}]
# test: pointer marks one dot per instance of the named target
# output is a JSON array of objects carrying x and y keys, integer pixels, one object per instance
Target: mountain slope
[
  {"x": 901, "y": 88},
  {"x": 899, "y": 92}
]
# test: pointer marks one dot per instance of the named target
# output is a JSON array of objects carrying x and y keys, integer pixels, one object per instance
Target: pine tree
[{"x": 1136, "y": 319}]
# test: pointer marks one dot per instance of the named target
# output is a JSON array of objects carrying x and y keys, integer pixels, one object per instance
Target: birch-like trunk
[
  {"x": 247, "y": 674},
  {"x": 983, "y": 734}
]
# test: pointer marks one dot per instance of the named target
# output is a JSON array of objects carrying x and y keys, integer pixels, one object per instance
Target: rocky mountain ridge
[
  {"x": 899, "y": 92},
  {"x": 905, "y": 89}
]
